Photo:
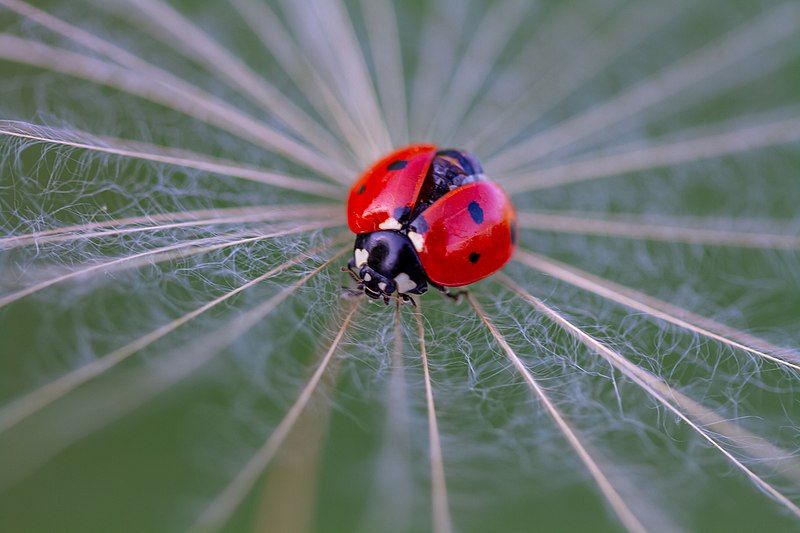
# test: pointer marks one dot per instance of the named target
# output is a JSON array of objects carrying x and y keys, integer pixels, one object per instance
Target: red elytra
[
  {"x": 392, "y": 184},
  {"x": 470, "y": 234},
  {"x": 462, "y": 237}
]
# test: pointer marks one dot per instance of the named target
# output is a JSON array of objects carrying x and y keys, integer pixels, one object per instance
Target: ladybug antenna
[{"x": 352, "y": 275}]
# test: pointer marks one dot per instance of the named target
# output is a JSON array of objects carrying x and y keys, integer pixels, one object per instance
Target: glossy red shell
[
  {"x": 383, "y": 193},
  {"x": 470, "y": 234},
  {"x": 466, "y": 235}
]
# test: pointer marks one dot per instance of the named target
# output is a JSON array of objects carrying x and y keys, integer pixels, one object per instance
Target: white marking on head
[
  {"x": 382, "y": 286},
  {"x": 391, "y": 223},
  {"x": 404, "y": 283},
  {"x": 367, "y": 277},
  {"x": 417, "y": 240},
  {"x": 361, "y": 257}
]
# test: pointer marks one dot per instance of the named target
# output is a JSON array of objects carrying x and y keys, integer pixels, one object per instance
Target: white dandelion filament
[
  {"x": 630, "y": 371},
  {"x": 617, "y": 503},
  {"x": 36, "y": 400},
  {"x": 769, "y": 29},
  {"x": 661, "y": 310},
  {"x": 387, "y": 56},
  {"x": 142, "y": 385},
  {"x": 170, "y": 26},
  {"x": 586, "y": 58},
  {"x": 219, "y": 511},
  {"x": 189, "y": 101},
  {"x": 282, "y": 212},
  {"x": 783, "y": 462},
  {"x": 347, "y": 49},
  {"x": 167, "y": 156},
  {"x": 157, "y": 255},
  {"x": 633, "y": 227},
  {"x": 270, "y": 30},
  {"x": 442, "y": 523},
  {"x": 127, "y": 59},
  {"x": 493, "y": 34},
  {"x": 331, "y": 38},
  {"x": 392, "y": 486},
  {"x": 725, "y": 143},
  {"x": 439, "y": 34}
]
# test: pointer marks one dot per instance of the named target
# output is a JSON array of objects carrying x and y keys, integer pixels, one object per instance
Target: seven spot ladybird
[{"x": 424, "y": 216}]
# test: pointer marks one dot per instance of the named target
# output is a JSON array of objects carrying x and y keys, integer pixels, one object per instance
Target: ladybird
[{"x": 424, "y": 216}]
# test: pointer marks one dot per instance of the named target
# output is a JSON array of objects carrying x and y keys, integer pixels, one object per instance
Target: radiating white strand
[
  {"x": 555, "y": 35},
  {"x": 661, "y": 310},
  {"x": 442, "y": 522},
  {"x": 161, "y": 88},
  {"x": 769, "y": 29},
  {"x": 550, "y": 38},
  {"x": 783, "y": 462},
  {"x": 341, "y": 56},
  {"x": 217, "y": 514},
  {"x": 724, "y": 143},
  {"x": 314, "y": 36},
  {"x": 270, "y": 30},
  {"x": 387, "y": 56},
  {"x": 263, "y": 215},
  {"x": 158, "y": 255},
  {"x": 36, "y": 400},
  {"x": 614, "y": 499},
  {"x": 165, "y": 155},
  {"x": 142, "y": 384},
  {"x": 500, "y": 23},
  {"x": 392, "y": 489},
  {"x": 633, "y": 372},
  {"x": 167, "y": 24},
  {"x": 633, "y": 227},
  {"x": 77, "y": 231},
  {"x": 351, "y": 55},
  {"x": 441, "y": 35},
  {"x": 554, "y": 82}
]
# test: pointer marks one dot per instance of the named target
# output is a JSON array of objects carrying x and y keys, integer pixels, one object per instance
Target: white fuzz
[
  {"x": 361, "y": 257},
  {"x": 404, "y": 283},
  {"x": 417, "y": 240},
  {"x": 391, "y": 224}
]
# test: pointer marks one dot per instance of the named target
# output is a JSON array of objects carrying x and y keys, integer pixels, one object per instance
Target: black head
[{"x": 385, "y": 264}]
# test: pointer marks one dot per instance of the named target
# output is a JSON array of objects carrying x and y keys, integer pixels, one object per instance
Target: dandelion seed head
[{"x": 556, "y": 79}]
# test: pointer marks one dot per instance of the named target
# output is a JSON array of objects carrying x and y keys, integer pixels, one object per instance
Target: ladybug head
[
  {"x": 376, "y": 284},
  {"x": 385, "y": 264}
]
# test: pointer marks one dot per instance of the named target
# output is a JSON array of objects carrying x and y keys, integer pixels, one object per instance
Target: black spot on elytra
[
  {"x": 398, "y": 165},
  {"x": 475, "y": 212},
  {"x": 421, "y": 225},
  {"x": 473, "y": 257},
  {"x": 401, "y": 213},
  {"x": 362, "y": 189}
]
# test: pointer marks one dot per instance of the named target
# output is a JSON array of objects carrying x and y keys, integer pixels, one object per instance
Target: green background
[{"x": 358, "y": 460}]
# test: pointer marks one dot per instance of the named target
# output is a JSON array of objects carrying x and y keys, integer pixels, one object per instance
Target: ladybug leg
[
  {"x": 350, "y": 292},
  {"x": 455, "y": 296},
  {"x": 407, "y": 299}
]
